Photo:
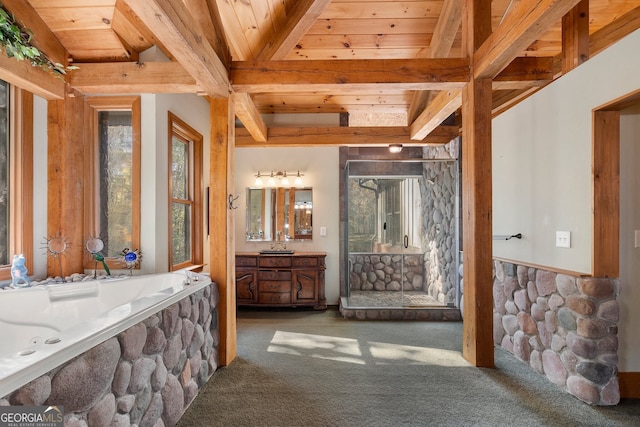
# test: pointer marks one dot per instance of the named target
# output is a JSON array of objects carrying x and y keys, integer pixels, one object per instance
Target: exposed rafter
[
  {"x": 299, "y": 20},
  {"x": 441, "y": 43},
  {"x": 171, "y": 23},
  {"x": 442, "y": 106},
  {"x": 249, "y": 115},
  {"x": 207, "y": 16},
  {"x": 523, "y": 26}
]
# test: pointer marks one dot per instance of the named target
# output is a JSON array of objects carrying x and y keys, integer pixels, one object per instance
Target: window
[
  {"x": 16, "y": 177},
  {"x": 113, "y": 175},
  {"x": 185, "y": 195},
  {"x": 5, "y": 174}
]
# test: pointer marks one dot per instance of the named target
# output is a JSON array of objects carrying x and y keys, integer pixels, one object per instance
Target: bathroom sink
[{"x": 276, "y": 251}]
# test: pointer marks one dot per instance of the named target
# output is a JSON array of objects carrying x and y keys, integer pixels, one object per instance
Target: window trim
[
  {"x": 21, "y": 172},
  {"x": 93, "y": 106},
  {"x": 181, "y": 129}
]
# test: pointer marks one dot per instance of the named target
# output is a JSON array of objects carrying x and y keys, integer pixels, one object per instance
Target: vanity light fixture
[
  {"x": 258, "y": 181},
  {"x": 278, "y": 179},
  {"x": 395, "y": 148}
]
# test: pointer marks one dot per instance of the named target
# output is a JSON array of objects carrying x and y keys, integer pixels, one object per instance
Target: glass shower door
[
  {"x": 386, "y": 267},
  {"x": 401, "y": 244}
]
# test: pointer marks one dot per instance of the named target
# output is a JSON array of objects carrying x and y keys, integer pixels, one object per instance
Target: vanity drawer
[
  {"x": 275, "y": 261},
  {"x": 274, "y": 275},
  {"x": 246, "y": 261},
  {"x": 274, "y": 298},
  {"x": 274, "y": 286},
  {"x": 305, "y": 261}
]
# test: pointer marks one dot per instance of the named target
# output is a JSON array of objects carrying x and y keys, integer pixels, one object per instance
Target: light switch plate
[
  {"x": 563, "y": 239},
  {"x": 323, "y": 231}
]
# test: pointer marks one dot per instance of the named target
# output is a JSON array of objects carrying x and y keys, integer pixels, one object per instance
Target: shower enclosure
[{"x": 401, "y": 245}]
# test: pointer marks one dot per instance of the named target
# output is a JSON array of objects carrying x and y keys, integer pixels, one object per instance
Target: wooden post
[
  {"x": 605, "y": 257},
  {"x": 575, "y": 36},
  {"x": 221, "y": 222},
  {"x": 477, "y": 345},
  {"x": 65, "y": 154}
]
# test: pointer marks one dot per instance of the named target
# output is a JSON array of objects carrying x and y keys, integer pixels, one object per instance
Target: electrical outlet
[
  {"x": 563, "y": 239},
  {"x": 323, "y": 231}
]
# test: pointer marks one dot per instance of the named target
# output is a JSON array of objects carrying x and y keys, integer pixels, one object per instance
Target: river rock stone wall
[
  {"x": 564, "y": 327},
  {"x": 440, "y": 222},
  {"x": 145, "y": 376},
  {"x": 384, "y": 272}
]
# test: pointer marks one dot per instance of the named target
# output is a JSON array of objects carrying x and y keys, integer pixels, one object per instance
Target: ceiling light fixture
[{"x": 395, "y": 148}]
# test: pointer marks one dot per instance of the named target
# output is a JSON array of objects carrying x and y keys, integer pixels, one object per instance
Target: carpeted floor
[{"x": 305, "y": 368}]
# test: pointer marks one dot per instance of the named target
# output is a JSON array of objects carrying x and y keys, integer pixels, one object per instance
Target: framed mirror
[{"x": 279, "y": 214}]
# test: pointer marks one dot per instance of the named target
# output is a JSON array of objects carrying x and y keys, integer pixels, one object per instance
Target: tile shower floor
[
  {"x": 391, "y": 299},
  {"x": 375, "y": 305}
]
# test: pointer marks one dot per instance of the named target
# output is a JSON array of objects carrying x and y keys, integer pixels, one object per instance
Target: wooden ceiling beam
[
  {"x": 172, "y": 24},
  {"x": 442, "y": 106},
  {"x": 301, "y": 18},
  {"x": 249, "y": 115},
  {"x": 525, "y": 72},
  {"x": 521, "y": 74},
  {"x": 343, "y": 136},
  {"x": 132, "y": 77},
  {"x": 520, "y": 28},
  {"x": 206, "y": 14},
  {"x": 30, "y": 78},
  {"x": 442, "y": 40},
  {"x": 575, "y": 36},
  {"x": 509, "y": 94},
  {"x": 43, "y": 38},
  {"x": 305, "y": 76},
  {"x": 609, "y": 34}
]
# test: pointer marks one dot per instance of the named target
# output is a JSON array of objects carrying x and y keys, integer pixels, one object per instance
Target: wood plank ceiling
[{"x": 105, "y": 38}]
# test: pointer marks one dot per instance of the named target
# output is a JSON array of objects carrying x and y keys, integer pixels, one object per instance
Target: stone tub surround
[
  {"x": 563, "y": 326},
  {"x": 146, "y": 376}
]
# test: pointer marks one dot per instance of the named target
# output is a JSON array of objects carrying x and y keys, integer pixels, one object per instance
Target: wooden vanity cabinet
[{"x": 281, "y": 280}]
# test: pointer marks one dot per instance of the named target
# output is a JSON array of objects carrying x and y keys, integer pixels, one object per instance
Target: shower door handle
[{"x": 406, "y": 241}]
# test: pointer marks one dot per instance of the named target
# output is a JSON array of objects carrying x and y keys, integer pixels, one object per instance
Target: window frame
[
  {"x": 179, "y": 128},
  {"x": 21, "y": 175},
  {"x": 93, "y": 106}
]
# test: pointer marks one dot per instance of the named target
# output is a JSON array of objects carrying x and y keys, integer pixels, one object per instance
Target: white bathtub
[{"x": 44, "y": 326}]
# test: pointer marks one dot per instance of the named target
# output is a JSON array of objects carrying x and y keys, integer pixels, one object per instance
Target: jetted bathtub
[{"x": 44, "y": 326}]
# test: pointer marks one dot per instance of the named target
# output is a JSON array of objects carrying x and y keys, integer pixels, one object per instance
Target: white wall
[
  {"x": 542, "y": 179},
  {"x": 629, "y": 345},
  {"x": 542, "y": 160},
  {"x": 194, "y": 110},
  {"x": 321, "y": 171}
]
